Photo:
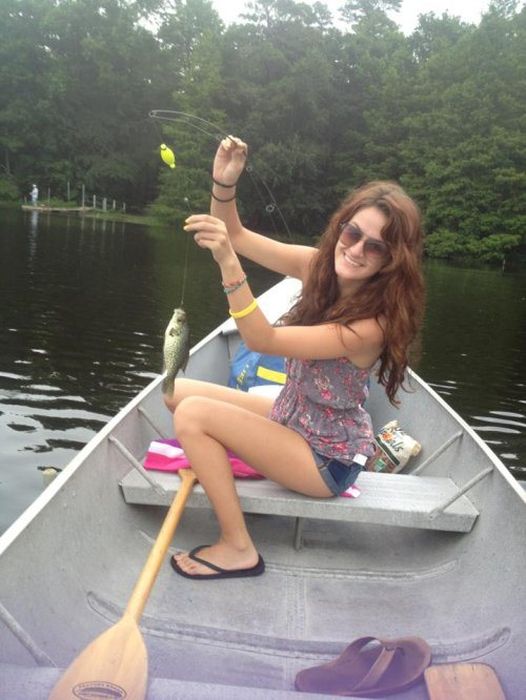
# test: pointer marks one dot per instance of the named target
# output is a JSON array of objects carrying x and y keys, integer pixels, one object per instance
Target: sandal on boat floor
[
  {"x": 463, "y": 681},
  {"x": 369, "y": 668},
  {"x": 256, "y": 570}
]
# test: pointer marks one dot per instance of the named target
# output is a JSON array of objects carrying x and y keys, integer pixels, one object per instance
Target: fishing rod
[{"x": 218, "y": 134}]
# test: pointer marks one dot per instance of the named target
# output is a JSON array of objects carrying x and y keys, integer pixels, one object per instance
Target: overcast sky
[{"x": 407, "y": 18}]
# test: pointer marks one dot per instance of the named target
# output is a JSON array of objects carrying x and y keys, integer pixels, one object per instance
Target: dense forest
[{"x": 325, "y": 103}]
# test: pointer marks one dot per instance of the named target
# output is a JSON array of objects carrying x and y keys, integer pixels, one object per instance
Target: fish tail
[{"x": 168, "y": 385}]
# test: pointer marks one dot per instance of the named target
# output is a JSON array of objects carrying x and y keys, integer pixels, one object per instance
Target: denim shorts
[{"x": 337, "y": 475}]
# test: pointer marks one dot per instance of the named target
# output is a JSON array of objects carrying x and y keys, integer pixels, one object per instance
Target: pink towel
[{"x": 168, "y": 456}]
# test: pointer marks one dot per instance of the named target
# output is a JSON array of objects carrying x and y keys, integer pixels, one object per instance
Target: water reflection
[
  {"x": 33, "y": 231},
  {"x": 474, "y": 335}
]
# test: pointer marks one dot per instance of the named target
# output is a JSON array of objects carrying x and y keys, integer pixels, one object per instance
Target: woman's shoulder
[
  {"x": 364, "y": 340},
  {"x": 370, "y": 330}
]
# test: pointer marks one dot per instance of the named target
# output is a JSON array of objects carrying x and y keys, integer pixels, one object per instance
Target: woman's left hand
[{"x": 210, "y": 232}]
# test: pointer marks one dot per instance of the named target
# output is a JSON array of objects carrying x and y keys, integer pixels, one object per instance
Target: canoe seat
[{"x": 402, "y": 500}]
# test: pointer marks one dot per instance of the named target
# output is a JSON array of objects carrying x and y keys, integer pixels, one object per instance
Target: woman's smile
[{"x": 348, "y": 257}]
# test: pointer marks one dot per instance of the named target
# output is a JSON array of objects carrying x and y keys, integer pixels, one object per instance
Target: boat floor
[
  {"x": 231, "y": 639},
  {"x": 36, "y": 684}
]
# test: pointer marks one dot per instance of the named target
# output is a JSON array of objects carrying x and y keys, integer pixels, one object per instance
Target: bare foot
[{"x": 219, "y": 554}]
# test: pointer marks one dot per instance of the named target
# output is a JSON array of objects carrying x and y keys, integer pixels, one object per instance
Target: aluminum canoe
[{"x": 69, "y": 562}]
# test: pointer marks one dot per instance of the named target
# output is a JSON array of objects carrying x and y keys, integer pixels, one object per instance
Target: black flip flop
[{"x": 256, "y": 570}]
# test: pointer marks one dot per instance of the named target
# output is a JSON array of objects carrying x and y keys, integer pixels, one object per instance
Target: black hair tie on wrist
[
  {"x": 222, "y": 200},
  {"x": 222, "y": 184}
]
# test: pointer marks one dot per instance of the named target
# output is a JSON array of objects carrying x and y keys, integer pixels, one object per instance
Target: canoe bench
[{"x": 404, "y": 500}]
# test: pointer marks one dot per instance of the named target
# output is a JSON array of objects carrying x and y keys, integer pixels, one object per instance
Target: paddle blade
[
  {"x": 465, "y": 681},
  {"x": 114, "y": 665}
]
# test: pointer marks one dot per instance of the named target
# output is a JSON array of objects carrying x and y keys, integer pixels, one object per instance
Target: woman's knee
[
  {"x": 178, "y": 393},
  {"x": 190, "y": 416}
]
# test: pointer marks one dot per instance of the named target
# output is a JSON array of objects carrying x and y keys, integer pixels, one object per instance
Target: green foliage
[
  {"x": 496, "y": 247},
  {"x": 9, "y": 192},
  {"x": 452, "y": 246},
  {"x": 357, "y": 10},
  {"x": 323, "y": 109}
]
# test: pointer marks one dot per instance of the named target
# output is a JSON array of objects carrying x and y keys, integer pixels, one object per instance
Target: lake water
[{"x": 84, "y": 304}]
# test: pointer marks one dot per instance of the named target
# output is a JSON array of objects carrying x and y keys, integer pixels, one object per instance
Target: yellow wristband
[{"x": 246, "y": 311}]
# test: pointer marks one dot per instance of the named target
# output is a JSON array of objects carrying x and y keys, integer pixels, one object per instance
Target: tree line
[{"x": 324, "y": 102}]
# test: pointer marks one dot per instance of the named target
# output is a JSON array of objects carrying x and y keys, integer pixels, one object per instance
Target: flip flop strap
[
  {"x": 379, "y": 667},
  {"x": 192, "y": 555}
]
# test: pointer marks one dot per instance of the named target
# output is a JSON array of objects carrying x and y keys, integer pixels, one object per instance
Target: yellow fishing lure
[{"x": 167, "y": 155}]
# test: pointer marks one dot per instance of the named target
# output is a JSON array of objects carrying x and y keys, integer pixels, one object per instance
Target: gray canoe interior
[{"x": 76, "y": 564}]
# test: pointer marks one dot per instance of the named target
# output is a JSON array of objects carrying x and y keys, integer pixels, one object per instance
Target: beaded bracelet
[
  {"x": 222, "y": 184},
  {"x": 229, "y": 288},
  {"x": 233, "y": 284},
  {"x": 222, "y": 200},
  {"x": 246, "y": 311}
]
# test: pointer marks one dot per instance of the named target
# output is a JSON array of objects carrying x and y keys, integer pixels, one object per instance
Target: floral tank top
[{"x": 323, "y": 400}]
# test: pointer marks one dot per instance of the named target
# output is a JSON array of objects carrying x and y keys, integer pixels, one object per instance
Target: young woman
[{"x": 360, "y": 308}]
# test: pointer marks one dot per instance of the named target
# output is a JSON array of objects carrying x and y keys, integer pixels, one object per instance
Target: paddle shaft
[{"x": 143, "y": 587}]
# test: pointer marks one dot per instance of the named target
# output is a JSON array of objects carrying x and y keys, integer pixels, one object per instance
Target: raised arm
[
  {"x": 285, "y": 258},
  {"x": 361, "y": 342}
]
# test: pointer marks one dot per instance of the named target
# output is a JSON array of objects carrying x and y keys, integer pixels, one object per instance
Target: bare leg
[
  {"x": 206, "y": 428},
  {"x": 184, "y": 388}
]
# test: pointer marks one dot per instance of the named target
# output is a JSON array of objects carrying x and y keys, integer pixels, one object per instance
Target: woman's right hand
[
  {"x": 230, "y": 160},
  {"x": 210, "y": 232}
]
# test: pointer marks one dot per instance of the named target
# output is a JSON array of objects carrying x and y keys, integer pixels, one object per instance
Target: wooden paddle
[
  {"x": 115, "y": 664},
  {"x": 463, "y": 681}
]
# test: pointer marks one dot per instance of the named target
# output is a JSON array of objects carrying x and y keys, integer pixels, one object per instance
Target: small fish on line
[
  {"x": 167, "y": 155},
  {"x": 176, "y": 348}
]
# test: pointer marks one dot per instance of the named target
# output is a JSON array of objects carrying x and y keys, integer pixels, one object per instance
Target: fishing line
[
  {"x": 187, "y": 246},
  {"x": 166, "y": 115},
  {"x": 159, "y": 130},
  {"x": 168, "y": 157},
  {"x": 218, "y": 135}
]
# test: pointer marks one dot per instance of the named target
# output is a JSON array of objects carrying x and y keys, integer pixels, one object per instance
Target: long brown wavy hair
[{"x": 394, "y": 295}]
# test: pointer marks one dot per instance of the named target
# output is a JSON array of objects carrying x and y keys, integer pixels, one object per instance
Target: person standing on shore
[{"x": 34, "y": 195}]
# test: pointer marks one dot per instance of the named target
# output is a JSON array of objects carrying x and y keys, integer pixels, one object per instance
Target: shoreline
[{"x": 89, "y": 212}]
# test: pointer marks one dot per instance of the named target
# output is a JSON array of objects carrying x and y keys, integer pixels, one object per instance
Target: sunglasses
[{"x": 350, "y": 235}]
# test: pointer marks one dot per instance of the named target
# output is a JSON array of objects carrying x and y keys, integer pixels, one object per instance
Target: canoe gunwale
[{"x": 473, "y": 436}]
